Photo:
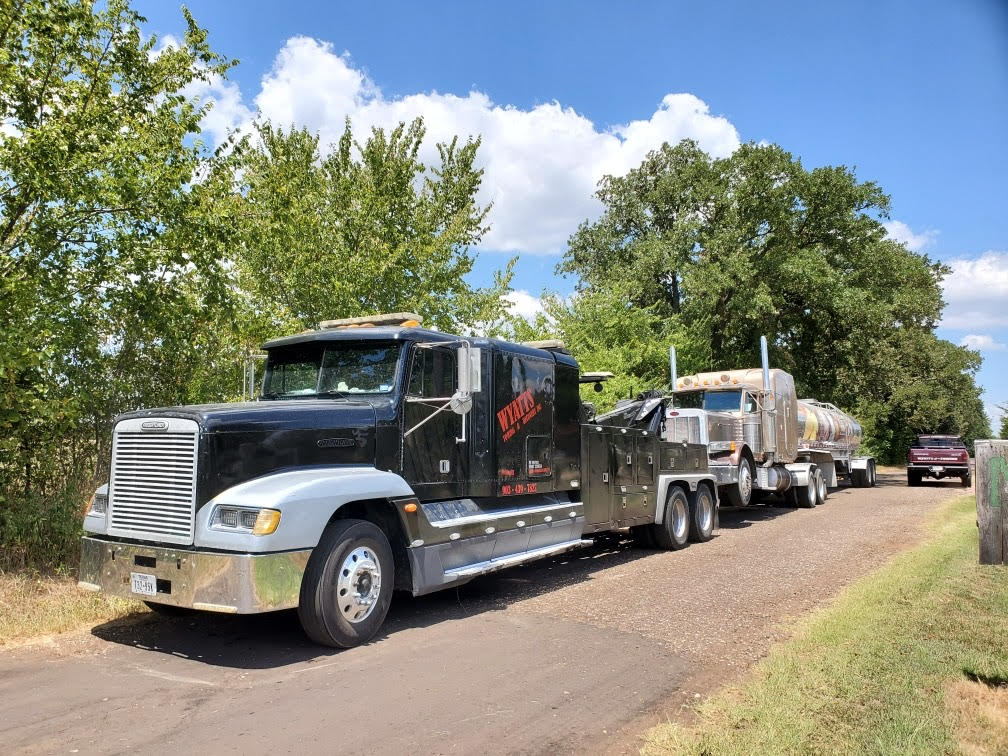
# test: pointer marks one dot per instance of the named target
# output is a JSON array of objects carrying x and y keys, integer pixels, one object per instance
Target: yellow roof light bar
[{"x": 403, "y": 319}]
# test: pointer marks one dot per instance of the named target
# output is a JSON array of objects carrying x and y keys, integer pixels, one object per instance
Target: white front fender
[{"x": 306, "y": 500}]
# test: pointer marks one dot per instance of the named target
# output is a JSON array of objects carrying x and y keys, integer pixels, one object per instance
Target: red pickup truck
[{"x": 938, "y": 457}]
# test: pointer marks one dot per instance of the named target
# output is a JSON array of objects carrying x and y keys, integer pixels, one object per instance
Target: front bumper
[{"x": 211, "y": 581}]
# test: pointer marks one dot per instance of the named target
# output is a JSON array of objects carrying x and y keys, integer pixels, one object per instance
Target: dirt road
[{"x": 579, "y": 653}]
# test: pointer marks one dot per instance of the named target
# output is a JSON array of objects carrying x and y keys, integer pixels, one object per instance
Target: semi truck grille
[{"x": 152, "y": 491}]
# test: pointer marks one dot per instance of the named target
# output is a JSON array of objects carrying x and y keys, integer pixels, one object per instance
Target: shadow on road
[{"x": 275, "y": 640}]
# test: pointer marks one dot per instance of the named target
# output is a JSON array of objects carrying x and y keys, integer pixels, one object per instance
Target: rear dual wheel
[
  {"x": 673, "y": 532},
  {"x": 807, "y": 496},
  {"x": 702, "y": 512}
]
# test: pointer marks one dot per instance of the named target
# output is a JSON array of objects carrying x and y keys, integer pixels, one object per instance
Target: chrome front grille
[{"x": 152, "y": 491}]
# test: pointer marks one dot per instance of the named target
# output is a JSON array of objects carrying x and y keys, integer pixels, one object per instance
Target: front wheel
[
  {"x": 739, "y": 494},
  {"x": 347, "y": 586}
]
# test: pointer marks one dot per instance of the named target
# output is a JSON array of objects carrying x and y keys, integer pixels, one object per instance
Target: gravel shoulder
[{"x": 581, "y": 652}]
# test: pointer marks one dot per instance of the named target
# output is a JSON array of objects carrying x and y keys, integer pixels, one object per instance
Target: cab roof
[{"x": 413, "y": 334}]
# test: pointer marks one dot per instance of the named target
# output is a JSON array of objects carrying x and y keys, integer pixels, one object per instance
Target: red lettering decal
[
  {"x": 531, "y": 487},
  {"x": 505, "y": 490},
  {"x": 519, "y": 488}
]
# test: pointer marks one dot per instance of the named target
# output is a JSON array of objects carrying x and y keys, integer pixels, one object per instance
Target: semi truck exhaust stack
[{"x": 672, "y": 366}]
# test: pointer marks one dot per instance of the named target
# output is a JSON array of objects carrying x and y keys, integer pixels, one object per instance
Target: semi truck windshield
[
  {"x": 314, "y": 370},
  {"x": 713, "y": 401}
]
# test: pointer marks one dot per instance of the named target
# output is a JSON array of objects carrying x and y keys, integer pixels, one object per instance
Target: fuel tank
[{"x": 822, "y": 424}]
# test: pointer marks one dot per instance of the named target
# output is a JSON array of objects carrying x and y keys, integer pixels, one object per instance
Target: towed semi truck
[
  {"x": 762, "y": 439},
  {"x": 380, "y": 456}
]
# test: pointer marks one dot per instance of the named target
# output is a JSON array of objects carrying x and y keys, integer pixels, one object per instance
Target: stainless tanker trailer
[{"x": 762, "y": 438}]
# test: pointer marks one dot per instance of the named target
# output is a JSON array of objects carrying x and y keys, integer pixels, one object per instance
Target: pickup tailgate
[{"x": 938, "y": 456}]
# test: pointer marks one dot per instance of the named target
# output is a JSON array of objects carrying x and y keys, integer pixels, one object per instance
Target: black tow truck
[{"x": 381, "y": 456}]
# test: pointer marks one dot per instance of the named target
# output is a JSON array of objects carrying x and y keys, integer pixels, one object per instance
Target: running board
[{"x": 490, "y": 565}]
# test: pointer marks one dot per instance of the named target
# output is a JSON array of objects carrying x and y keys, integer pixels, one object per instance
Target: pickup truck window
[
  {"x": 930, "y": 442},
  {"x": 332, "y": 370}
]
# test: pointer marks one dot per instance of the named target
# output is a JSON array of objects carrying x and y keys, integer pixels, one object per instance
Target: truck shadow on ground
[{"x": 276, "y": 640}]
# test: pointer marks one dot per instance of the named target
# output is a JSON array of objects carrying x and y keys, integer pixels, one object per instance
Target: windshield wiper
[{"x": 333, "y": 392}]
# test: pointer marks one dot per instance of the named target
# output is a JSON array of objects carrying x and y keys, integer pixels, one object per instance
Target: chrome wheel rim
[
  {"x": 822, "y": 489},
  {"x": 358, "y": 585},
  {"x": 679, "y": 522},
  {"x": 812, "y": 490},
  {"x": 745, "y": 482},
  {"x": 706, "y": 507}
]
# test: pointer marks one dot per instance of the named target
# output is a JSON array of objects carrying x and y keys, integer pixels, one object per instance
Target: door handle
[{"x": 629, "y": 459}]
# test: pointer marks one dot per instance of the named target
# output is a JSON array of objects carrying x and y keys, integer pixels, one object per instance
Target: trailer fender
[
  {"x": 306, "y": 498},
  {"x": 861, "y": 463},
  {"x": 687, "y": 481}
]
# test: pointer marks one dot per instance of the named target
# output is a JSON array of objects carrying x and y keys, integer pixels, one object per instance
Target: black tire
[
  {"x": 739, "y": 494},
  {"x": 806, "y": 496},
  {"x": 702, "y": 513},
  {"x": 967, "y": 480},
  {"x": 643, "y": 536},
  {"x": 325, "y": 617},
  {"x": 872, "y": 476},
  {"x": 859, "y": 478},
  {"x": 167, "y": 610},
  {"x": 673, "y": 532},
  {"x": 913, "y": 478},
  {"x": 822, "y": 493}
]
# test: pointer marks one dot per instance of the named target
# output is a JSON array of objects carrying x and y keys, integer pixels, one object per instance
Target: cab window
[{"x": 432, "y": 374}]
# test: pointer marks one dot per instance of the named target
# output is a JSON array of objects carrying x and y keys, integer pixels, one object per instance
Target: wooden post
[{"x": 992, "y": 500}]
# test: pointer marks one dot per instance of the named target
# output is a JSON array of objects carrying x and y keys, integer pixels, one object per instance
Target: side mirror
[{"x": 469, "y": 376}]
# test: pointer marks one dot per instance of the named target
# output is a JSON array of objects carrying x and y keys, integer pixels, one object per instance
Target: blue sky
[{"x": 912, "y": 94}]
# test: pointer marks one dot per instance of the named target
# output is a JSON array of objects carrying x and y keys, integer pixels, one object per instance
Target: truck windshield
[
  {"x": 330, "y": 370},
  {"x": 714, "y": 401}
]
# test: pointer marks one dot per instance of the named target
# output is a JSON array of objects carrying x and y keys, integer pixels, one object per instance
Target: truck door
[{"x": 432, "y": 458}]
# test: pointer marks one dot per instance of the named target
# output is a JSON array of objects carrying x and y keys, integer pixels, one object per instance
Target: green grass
[
  {"x": 33, "y": 605},
  {"x": 911, "y": 659}
]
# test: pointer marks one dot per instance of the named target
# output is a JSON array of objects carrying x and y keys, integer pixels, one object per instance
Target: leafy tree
[
  {"x": 98, "y": 147},
  {"x": 1003, "y": 431},
  {"x": 723, "y": 250},
  {"x": 365, "y": 229}
]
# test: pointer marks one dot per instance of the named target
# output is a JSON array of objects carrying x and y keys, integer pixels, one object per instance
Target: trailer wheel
[
  {"x": 872, "y": 478},
  {"x": 821, "y": 491},
  {"x": 347, "y": 586},
  {"x": 673, "y": 533},
  {"x": 701, "y": 514},
  {"x": 739, "y": 494},
  {"x": 807, "y": 495},
  {"x": 643, "y": 536},
  {"x": 859, "y": 478}
]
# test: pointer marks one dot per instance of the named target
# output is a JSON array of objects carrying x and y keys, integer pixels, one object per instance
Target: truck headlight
[
  {"x": 99, "y": 504},
  {"x": 254, "y": 521}
]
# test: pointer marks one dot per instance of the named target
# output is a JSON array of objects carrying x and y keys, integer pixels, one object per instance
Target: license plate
[
  {"x": 144, "y": 584},
  {"x": 936, "y": 469}
]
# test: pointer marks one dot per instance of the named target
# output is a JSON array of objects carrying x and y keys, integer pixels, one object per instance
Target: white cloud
[
  {"x": 901, "y": 232},
  {"x": 541, "y": 164},
  {"x": 523, "y": 304},
  {"x": 976, "y": 292},
  {"x": 981, "y": 342}
]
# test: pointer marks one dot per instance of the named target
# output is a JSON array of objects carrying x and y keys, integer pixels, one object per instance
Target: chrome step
[{"x": 499, "y": 563}]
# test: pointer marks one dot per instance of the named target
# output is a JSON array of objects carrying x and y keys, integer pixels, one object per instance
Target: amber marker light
[
  {"x": 411, "y": 507},
  {"x": 266, "y": 522}
]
